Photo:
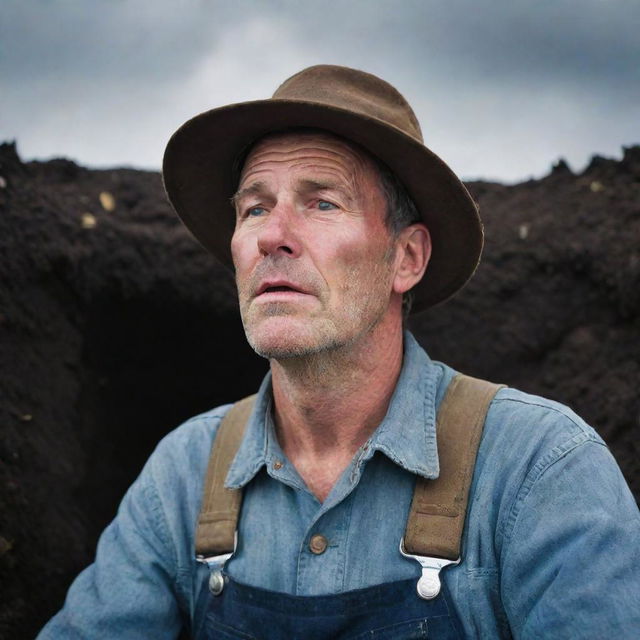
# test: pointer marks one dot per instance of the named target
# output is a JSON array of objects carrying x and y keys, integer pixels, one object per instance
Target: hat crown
[{"x": 352, "y": 90}]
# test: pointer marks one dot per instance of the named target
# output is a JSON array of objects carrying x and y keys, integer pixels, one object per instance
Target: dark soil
[{"x": 115, "y": 326}]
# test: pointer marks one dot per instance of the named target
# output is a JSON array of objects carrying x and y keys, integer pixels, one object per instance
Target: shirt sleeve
[
  {"x": 571, "y": 560},
  {"x": 130, "y": 591}
]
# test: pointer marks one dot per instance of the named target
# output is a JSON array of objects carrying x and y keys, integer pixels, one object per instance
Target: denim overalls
[
  {"x": 387, "y": 611},
  {"x": 397, "y": 610}
]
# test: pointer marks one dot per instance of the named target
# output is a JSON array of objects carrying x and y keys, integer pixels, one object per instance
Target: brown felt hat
[{"x": 201, "y": 165}]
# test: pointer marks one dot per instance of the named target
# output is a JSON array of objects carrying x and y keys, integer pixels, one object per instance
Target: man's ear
[{"x": 413, "y": 253}]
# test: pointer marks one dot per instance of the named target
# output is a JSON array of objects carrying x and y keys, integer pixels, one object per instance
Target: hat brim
[{"x": 200, "y": 177}]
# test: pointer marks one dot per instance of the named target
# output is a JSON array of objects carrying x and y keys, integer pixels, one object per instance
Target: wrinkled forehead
[{"x": 312, "y": 138}]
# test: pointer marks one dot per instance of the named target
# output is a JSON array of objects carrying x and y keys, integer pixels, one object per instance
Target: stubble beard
[
  {"x": 314, "y": 338},
  {"x": 317, "y": 336}
]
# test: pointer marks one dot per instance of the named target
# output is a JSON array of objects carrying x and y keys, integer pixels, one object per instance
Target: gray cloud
[
  {"x": 501, "y": 87},
  {"x": 94, "y": 39}
]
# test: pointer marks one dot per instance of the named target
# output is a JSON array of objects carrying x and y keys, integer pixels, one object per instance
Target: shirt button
[
  {"x": 318, "y": 544},
  {"x": 277, "y": 465}
]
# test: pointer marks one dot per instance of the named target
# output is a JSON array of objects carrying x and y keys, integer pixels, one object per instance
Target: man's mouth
[{"x": 278, "y": 287}]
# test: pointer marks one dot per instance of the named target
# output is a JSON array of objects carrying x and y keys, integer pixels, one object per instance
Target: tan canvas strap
[
  {"x": 438, "y": 510},
  {"x": 439, "y": 506},
  {"x": 215, "y": 533}
]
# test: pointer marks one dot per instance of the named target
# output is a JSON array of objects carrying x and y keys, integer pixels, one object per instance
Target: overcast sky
[{"x": 502, "y": 88}]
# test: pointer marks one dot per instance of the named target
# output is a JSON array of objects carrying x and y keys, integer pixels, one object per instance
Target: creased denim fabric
[{"x": 551, "y": 544}]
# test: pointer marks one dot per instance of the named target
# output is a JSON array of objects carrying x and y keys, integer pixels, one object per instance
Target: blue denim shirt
[{"x": 551, "y": 544}]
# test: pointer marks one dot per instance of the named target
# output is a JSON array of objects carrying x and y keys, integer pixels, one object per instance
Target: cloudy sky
[{"x": 502, "y": 88}]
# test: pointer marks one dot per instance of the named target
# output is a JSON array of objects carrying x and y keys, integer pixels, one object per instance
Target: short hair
[{"x": 401, "y": 210}]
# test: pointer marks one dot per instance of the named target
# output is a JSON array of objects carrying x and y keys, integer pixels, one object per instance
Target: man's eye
[
  {"x": 323, "y": 205},
  {"x": 255, "y": 211}
]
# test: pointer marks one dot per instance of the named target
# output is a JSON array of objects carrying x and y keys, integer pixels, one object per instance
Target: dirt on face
[{"x": 115, "y": 326}]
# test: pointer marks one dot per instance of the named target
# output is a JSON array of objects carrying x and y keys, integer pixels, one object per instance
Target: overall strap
[
  {"x": 439, "y": 506},
  {"x": 215, "y": 534},
  {"x": 438, "y": 510}
]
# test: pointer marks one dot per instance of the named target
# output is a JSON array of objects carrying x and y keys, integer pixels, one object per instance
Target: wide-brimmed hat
[{"x": 201, "y": 165}]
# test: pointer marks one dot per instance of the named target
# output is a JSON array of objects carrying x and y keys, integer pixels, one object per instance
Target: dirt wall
[{"x": 115, "y": 326}]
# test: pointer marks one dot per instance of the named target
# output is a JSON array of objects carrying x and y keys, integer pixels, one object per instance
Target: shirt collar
[{"x": 407, "y": 435}]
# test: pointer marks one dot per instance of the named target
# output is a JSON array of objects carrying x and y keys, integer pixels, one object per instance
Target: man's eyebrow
[
  {"x": 251, "y": 190},
  {"x": 307, "y": 186}
]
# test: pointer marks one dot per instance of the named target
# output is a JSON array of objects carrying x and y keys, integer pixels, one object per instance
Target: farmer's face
[{"x": 312, "y": 252}]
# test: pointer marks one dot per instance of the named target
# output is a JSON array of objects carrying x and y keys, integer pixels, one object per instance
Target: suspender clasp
[
  {"x": 216, "y": 565},
  {"x": 429, "y": 583}
]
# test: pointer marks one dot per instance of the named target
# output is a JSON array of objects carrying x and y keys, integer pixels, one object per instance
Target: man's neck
[{"x": 327, "y": 405}]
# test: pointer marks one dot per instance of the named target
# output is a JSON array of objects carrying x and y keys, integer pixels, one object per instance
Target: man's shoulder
[
  {"x": 184, "y": 452},
  {"x": 195, "y": 430},
  {"x": 518, "y": 415},
  {"x": 201, "y": 425},
  {"x": 532, "y": 445},
  {"x": 526, "y": 434},
  {"x": 524, "y": 437}
]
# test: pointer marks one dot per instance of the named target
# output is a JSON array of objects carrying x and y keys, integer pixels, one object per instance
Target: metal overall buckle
[
  {"x": 429, "y": 584},
  {"x": 216, "y": 566}
]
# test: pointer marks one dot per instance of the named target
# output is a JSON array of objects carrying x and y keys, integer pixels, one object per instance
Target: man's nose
[{"x": 277, "y": 234}]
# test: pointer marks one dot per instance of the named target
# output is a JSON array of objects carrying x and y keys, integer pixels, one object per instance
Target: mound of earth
[{"x": 115, "y": 326}]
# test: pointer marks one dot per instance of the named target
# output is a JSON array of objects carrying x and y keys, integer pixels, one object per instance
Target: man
[{"x": 340, "y": 213}]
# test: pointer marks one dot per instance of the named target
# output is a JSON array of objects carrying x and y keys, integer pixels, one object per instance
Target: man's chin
[
  {"x": 284, "y": 338},
  {"x": 282, "y": 348}
]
